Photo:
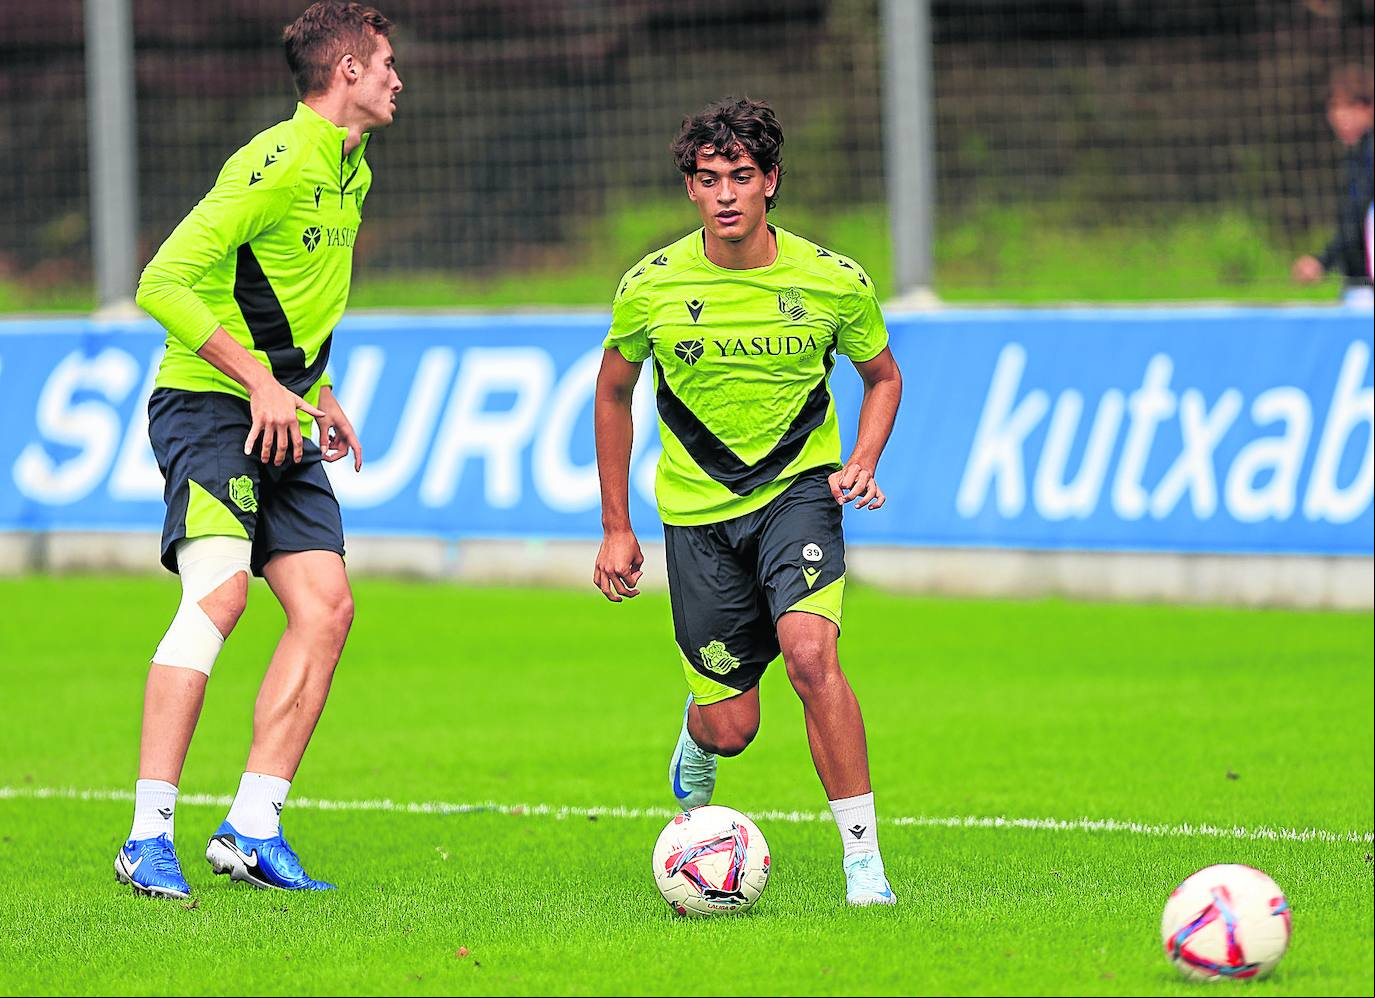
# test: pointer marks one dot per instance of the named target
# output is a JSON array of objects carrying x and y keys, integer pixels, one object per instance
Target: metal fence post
[
  {"x": 909, "y": 144},
  {"x": 112, "y": 138}
]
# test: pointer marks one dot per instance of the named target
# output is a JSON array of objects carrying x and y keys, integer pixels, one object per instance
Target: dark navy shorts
[
  {"x": 729, "y": 582},
  {"x": 213, "y": 489}
]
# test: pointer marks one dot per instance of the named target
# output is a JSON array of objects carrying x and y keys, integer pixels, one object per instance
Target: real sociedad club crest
[{"x": 790, "y": 304}]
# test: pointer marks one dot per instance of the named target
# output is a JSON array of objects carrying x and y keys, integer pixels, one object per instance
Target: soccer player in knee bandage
[{"x": 205, "y": 563}]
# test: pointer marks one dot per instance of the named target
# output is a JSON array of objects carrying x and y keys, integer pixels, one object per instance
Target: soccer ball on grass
[
  {"x": 711, "y": 860},
  {"x": 1226, "y": 921}
]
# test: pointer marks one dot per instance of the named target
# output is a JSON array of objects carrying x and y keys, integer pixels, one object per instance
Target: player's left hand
[
  {"x": 855, "y": 481},
  {"x": 336, "y": 432}
]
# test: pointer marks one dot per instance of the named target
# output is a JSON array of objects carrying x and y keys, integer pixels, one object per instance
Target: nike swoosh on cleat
[
  {"x": 678, "y": 790},
  {"x": 249, "y": 859},
  {"x": 252, "y": 870},
  {"x": 133, "y": 867}
]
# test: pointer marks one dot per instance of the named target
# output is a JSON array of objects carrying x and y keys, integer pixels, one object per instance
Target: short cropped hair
[
  {"x": 324, "y": 34},
  {"x": 1353, "y": 83},
  {"x": 731, "y": 127}
]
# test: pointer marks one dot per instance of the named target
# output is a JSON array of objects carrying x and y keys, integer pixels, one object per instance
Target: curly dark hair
[
  {"x": 322, "y": 35},
  {"x": 733, "y": 126}
]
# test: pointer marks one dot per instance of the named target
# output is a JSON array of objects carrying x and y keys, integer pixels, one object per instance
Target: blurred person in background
[
  {"x": 742, "y": 321},
  {"x": 249, "y": 288},
  {"x": 1351, "y": 113}
]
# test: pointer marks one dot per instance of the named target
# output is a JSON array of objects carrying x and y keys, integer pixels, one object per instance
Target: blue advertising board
[{"x": 1213, "y": 429}]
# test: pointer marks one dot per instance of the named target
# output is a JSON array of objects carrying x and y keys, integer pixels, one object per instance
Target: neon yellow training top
[
  {"x": 267, "y": 254},
  {"x": 742, "y": 360}
]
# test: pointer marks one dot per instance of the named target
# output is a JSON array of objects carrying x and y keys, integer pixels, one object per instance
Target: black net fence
[{"x": 1098, "y": 148}]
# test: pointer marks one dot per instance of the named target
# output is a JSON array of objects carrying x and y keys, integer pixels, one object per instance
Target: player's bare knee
[
  {"x": 730, "y": 742},
  {"x": 740, "y": 739},
  {"x": 327, "y": 617},
  {"x": 339, "y": 615},
  {"x": 808, "y": 651},
  {"x": 811, "y": 665},
  {"x": 730, "y": 737},
  {"x": 805, "y": 637}
]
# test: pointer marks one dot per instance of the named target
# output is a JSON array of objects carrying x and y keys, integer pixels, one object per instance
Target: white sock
[
  {"x": 858, "y": 826},
  {"x": 155, "y": 807},
  {"x": 257, "y": 808}
]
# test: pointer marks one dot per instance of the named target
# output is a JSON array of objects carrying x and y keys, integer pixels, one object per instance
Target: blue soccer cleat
[
  {"x": 691, "y": 772},
  {"x": 150, "y": 866},
  {"x": 865, "y": 881},
  {"x": 264, "y": 863}
]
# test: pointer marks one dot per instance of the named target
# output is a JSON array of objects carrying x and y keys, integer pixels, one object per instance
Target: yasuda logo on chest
[{"x": 765, "y": 346}]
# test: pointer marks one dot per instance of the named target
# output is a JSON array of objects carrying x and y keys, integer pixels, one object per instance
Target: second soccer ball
[
  {"x": 1226, "y": 921},
  {"x": 711, "y": 860}
]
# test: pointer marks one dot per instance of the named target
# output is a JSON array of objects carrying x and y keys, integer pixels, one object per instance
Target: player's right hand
[
  {"x": 618, "y": 565},
  {"x": 1307, "y": 270},
  {"x": 275, "y": 424}
]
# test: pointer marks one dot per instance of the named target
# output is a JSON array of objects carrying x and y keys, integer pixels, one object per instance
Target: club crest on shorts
[
  {"x": 716, "y": 659},
  {"x": 241, "y": 493}
]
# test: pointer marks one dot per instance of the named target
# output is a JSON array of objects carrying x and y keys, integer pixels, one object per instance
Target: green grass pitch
[{"x": 1163, "y": 716}]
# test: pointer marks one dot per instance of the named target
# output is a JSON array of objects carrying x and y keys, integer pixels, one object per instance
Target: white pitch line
[{"x": 1257, "y": 833}]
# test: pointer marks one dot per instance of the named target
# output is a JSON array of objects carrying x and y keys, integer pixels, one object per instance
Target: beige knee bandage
[{"x": 193, "y": 641}]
